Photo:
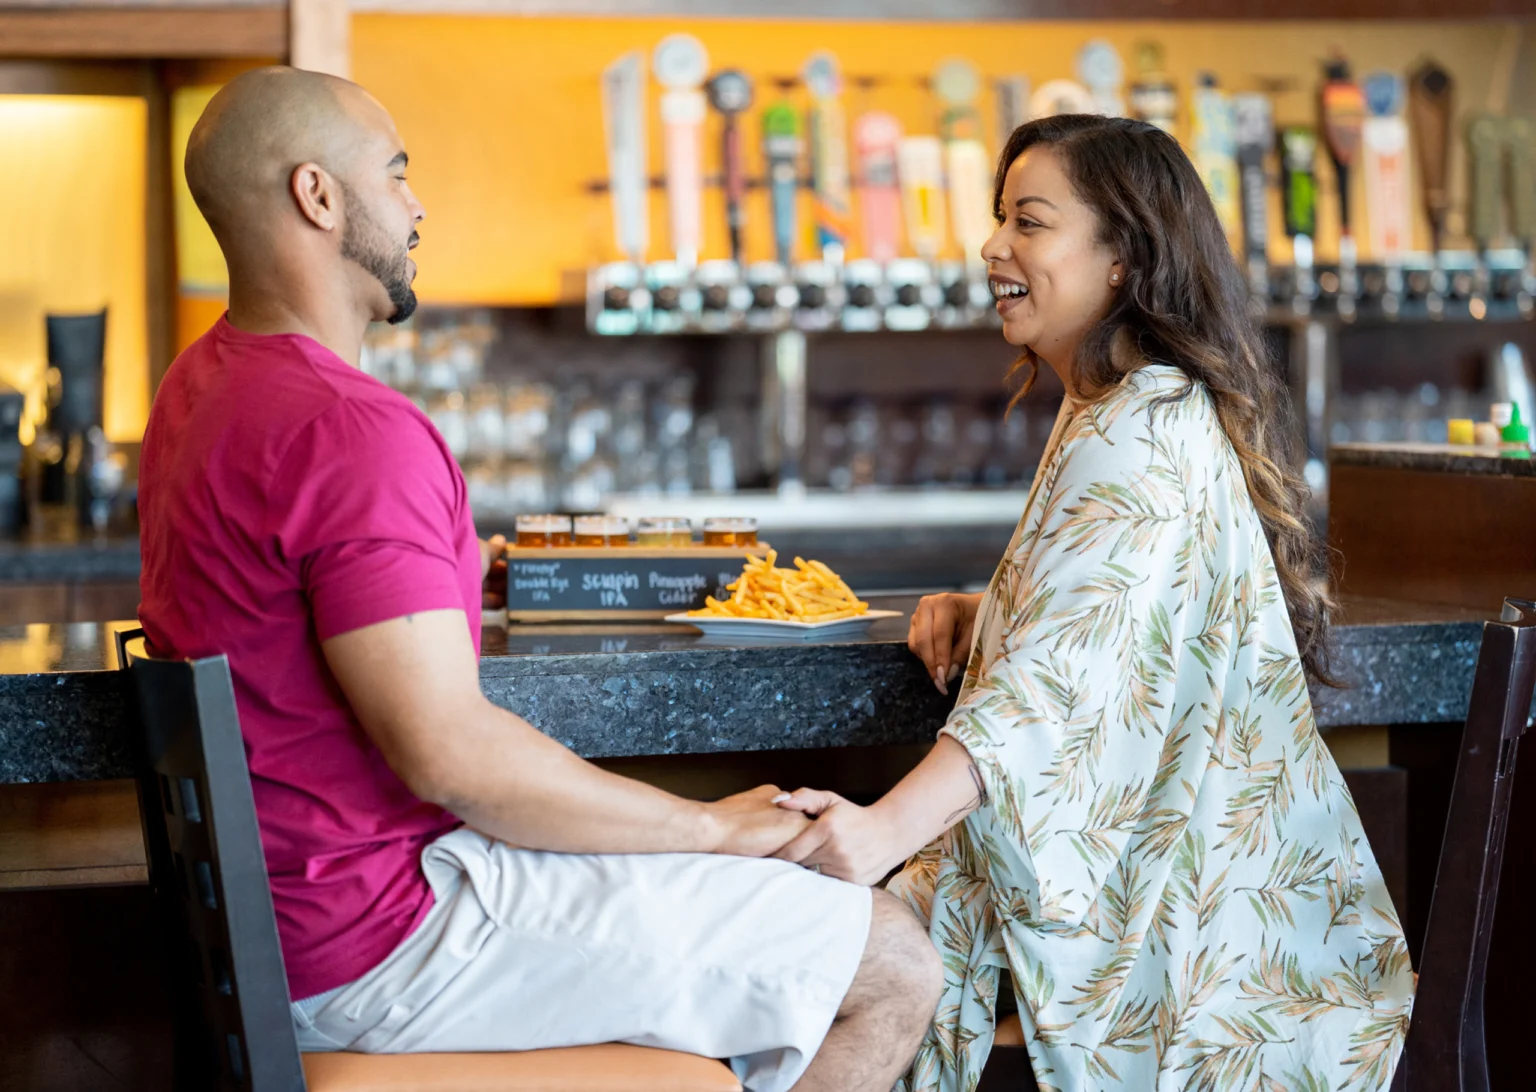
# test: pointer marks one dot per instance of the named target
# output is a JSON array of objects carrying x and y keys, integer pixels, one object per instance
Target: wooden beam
[
  {"x": 159, "y": 229},
  {"x": 925, "y": 11},
  {"x": 151, "y": 32}
]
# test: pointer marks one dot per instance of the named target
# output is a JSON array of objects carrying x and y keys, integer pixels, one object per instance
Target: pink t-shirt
[{"x": 285, "y": 498}]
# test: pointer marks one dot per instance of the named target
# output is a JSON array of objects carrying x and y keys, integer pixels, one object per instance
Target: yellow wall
[
  {"x": 502, "y": 119},
  {"x": 72, "y": 240}
]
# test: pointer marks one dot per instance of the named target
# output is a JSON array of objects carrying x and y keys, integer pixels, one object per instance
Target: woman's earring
[{"x": 1114, "y": 278}]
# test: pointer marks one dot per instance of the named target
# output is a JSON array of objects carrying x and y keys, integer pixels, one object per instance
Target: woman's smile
[{"x": 1007, "y": 292}]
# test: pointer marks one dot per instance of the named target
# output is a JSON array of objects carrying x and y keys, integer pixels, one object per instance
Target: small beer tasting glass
[
  {"x": 735, "y": 531},
  {"x": 664, "y": 531},
  {"x": 602, "y": 531},
  {"x": 543, "y": 530}
]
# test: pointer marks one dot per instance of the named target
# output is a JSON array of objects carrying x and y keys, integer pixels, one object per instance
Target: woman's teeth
[{"x": 1002, "y": 290}]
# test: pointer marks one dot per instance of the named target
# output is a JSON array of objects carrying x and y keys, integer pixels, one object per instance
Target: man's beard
[{"x": 364, "y": 243}]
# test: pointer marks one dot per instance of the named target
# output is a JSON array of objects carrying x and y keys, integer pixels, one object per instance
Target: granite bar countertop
[
  {"x": 625, "y": 690},
  {"x": 1436, "y": 458}
]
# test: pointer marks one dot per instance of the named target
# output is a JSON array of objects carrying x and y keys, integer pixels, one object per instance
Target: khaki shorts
[{"x": 726, "y": 957}]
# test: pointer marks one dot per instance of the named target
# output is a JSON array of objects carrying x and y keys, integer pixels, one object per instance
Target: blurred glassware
[
  {"x": 864, "y": 432},
  {"x": 672, "y": 412},
  {"x": 529, "y": 412},
  {"x": 486, "y": 422},
  {"x": 486, "y": 485},
  {"x": 446, "y": 412},
  {"x": 935, "y": 459},
  {"x": 713, "y": 458},
  {"x": 526, "y": 486}
]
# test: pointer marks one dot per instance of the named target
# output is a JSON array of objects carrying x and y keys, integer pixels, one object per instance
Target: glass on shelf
[
  {"x": 485, "y": 422},
  {"x": 668, "y": 531},
  {"x": 733, "y": 531},
  {"x": 602, "y": 531},
  {"x": 543, "y": 530},
  {"x": 446, "y": 412}
]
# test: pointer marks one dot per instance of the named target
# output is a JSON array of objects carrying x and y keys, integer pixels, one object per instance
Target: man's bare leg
[{"x": 888, "y": 1008}]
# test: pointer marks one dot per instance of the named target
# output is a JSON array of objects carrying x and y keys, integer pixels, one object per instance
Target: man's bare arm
[{"x": 414, "y": 683}]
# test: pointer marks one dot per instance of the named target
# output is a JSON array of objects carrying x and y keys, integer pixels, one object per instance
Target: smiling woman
[{"x": 1130, "y": 808}]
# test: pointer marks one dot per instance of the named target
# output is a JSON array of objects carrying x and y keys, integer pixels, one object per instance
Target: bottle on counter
[{"x": 1514, "y": 434}]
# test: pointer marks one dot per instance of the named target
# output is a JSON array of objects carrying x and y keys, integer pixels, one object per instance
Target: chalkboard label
[{"x": 564, "y": 583}]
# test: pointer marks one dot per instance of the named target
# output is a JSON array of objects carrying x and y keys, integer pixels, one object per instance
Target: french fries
[{"x": 810, "y": 592}]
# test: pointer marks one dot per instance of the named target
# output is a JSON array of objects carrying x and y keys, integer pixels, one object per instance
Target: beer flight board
[{"x": 630, "y": 584}]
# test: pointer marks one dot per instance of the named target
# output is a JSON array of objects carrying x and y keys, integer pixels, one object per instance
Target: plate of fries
[{"x": 807, "y": 601}]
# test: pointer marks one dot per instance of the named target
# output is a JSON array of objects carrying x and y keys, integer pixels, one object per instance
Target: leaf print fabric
[{"x": 1169, "y": 864}]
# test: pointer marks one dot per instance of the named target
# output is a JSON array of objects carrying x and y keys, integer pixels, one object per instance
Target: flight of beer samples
[{"x": 899, "y": 218}]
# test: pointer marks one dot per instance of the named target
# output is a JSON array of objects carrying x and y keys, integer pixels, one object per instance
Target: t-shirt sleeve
[
  {"x": 1071, "y": 719},
  {"x": 364, "y": 506}
]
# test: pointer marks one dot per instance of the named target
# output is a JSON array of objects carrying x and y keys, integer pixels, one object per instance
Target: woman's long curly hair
[{"x": 1184, "y": 302}]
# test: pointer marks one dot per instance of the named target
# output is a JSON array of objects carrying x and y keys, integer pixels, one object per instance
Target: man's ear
[{"x": 317, "y": 195}]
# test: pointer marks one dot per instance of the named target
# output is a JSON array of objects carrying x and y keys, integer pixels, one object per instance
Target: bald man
[{"x": 445, "y": 876}]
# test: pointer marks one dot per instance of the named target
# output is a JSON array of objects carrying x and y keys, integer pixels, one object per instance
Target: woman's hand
[
  {"x": 940, "y": 634},
  {"x": 846, "y": 841}
]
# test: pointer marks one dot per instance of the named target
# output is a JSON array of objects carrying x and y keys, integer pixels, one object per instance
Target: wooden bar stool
[
  {"x": 234, "y": 1028},
  {"x": 1445, "y": 1051}
]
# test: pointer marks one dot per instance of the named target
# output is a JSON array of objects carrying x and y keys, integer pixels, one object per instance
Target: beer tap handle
[
  {"x": 829, "y": 158},
  {"x": 1298, "y": 154},
  {"x": 1522, "y": 206},
  {"x": 730, "y": 93},
  {"x": 1255, "y": 127},
  {"x": 876, "y": 136},
  {"x": 624, "y": 128},
  {"x": 1343, "y": 114},
  {"x": 781, "y": 148},
  {"x": 681, "y": 64},
  {"x": 1384, "y": 140},
  {"x": 1430, "y": 91},
  {"x": 1485, "y": 158}
]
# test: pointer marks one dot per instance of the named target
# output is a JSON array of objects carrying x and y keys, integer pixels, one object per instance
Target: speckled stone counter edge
[
  {"x": 74, "y": 726},
  {"x": 1434, "y": 458}
]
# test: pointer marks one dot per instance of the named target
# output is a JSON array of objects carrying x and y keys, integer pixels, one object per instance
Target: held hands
[
  {"x": 750, "y": 825},
  {"x": 846, "y": 841},
  {"x": 940, "y": 634}
]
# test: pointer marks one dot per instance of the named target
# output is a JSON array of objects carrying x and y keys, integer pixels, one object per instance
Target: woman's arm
[{"x": 862, "y": 845}]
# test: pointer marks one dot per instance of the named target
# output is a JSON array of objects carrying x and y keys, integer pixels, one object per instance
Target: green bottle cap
[{"x": 1517, "y": 431}]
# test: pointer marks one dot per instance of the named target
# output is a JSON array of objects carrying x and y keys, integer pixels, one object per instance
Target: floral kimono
[{"x": 1168, "y": 861}]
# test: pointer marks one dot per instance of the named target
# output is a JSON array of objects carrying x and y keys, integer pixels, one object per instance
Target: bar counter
[{"x": 611, "y": 691}]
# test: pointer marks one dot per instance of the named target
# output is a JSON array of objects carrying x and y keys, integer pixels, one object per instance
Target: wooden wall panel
[
  {"x": 70, "y": 834},
  {"x": 160, "y": 32},
  {"x": 1468, "y": 539}
]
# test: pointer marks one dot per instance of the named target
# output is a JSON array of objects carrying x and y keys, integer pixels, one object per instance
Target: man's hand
[
  {"x": 751, "y": 825},
  {"x": 940, "y": 634},
  {"x": 846, "y": 841},
  {"x": 490, "y": 550}
]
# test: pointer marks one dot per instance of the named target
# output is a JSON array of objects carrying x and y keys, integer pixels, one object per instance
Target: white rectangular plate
[{"x": 736, "y": 628}]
